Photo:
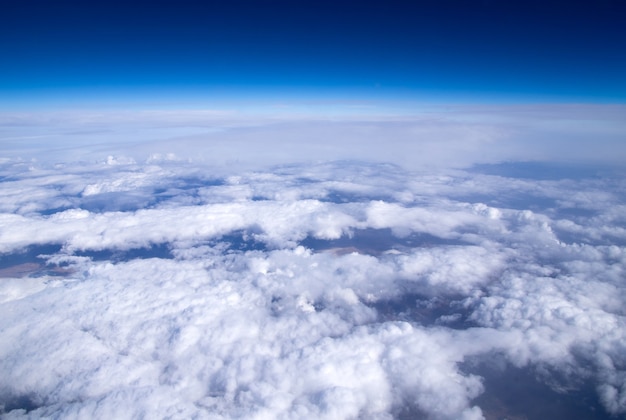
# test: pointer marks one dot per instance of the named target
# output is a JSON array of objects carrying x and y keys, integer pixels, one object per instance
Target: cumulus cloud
[{"x": 169, "y": 288}]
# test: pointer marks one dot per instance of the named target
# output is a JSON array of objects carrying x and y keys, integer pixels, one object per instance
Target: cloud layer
[
  {"x": 334, "y": 290},
  {"x": 412, "y": 135}
]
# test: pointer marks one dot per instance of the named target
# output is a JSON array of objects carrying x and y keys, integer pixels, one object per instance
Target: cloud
[
  {"x": 410, "y": 135},
  {"x": 330, "y": 290}
]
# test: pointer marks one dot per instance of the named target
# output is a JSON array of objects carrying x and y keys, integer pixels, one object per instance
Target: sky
[
  {"x": 187, "y": 53},
  {"x": 313, "y": 209}
]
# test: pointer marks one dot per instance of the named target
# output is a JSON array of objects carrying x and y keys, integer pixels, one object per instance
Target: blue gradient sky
[{"x": 192, "y": 53}]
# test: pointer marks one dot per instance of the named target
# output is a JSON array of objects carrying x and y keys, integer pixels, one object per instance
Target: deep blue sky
[{"x": 176, "y": 50}]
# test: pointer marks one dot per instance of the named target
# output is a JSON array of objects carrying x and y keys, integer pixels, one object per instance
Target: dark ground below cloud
[
  {"x": 517, "y": 394},
  {"x": 542, "y": 171}
]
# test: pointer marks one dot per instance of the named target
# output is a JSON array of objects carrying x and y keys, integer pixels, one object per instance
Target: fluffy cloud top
[{"x": 339, "y": 290}]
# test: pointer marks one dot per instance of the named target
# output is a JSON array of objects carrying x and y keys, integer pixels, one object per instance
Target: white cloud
[
  {"x": 18, "y": 288},
  {"x": 336, "y": 290},
  {"x": 414, "y": 137},
  {"x": 211, "y": 340}
]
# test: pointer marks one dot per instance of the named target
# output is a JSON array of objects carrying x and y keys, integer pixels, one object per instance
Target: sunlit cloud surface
[{"x": 329, "y": 290}]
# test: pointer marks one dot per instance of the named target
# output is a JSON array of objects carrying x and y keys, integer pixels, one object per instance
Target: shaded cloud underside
[{"x": 336, "y": 290}]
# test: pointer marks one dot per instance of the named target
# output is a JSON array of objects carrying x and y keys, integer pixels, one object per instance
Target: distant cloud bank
[{"x": 411, "y": 135}]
